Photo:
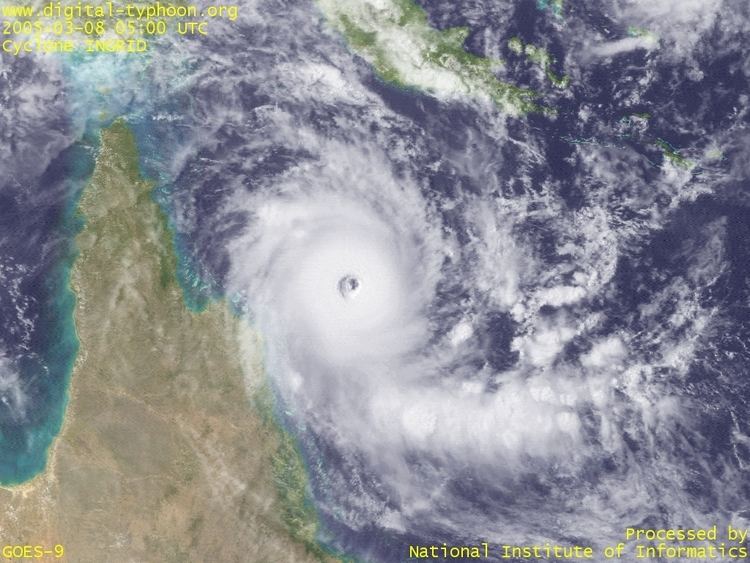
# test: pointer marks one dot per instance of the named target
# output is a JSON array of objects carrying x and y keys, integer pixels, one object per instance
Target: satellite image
[{"x": 374, "y": 281}]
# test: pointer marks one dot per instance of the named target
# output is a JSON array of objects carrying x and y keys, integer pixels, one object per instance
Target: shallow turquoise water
[
  {"x": 24, "y": 445},
  {"x": 96, "y": 94}
]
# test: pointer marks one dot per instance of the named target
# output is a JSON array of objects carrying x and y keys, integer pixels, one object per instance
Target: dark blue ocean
[{"x": 201, "y": 125}]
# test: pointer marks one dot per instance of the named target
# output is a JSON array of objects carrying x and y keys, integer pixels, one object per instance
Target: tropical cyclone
[{"x": 339, "y": 267}]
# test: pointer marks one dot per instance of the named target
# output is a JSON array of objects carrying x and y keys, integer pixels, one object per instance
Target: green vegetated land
[
  {"x": 162, "y": 455},
  {"x": 396, "y": 37},
  {"x": 541, "y": 58}
]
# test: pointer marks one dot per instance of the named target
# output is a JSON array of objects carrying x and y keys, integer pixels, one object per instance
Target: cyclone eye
[{"x": 348, "y": 286}]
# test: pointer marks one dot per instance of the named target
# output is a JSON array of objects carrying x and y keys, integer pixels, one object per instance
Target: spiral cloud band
[
  {"x": 379, "y": 348},
  {"x": 343, "y": 281},
  {"x": 451, "y": 340}
]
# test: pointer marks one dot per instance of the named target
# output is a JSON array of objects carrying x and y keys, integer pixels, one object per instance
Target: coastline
[{"x": 160, "y": 442}]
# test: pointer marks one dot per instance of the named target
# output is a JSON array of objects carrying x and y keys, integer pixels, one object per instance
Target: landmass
[
  {"x": 163, "y": 456},
  {"x": 396, "y": 37}
]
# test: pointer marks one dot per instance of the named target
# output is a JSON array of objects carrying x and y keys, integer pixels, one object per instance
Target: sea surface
[{"x": 563, "y": 313}]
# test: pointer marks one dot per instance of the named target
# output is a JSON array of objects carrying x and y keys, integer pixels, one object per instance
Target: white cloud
[
  {"x": 612, "y": 48},
  {"x": 12, "y": 395},
  {"x": 678, "y": 22},
  {"x": 605, "y": 352}
]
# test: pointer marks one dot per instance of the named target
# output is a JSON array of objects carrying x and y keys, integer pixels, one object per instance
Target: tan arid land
[{"x": 163, "y": 456}]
